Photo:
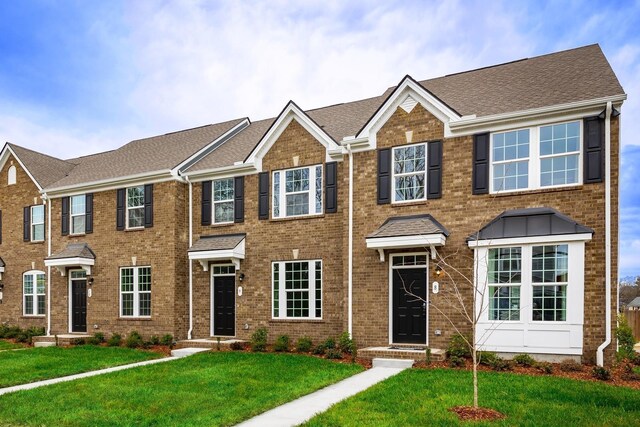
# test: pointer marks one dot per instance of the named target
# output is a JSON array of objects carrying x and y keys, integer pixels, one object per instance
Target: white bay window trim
[
  {"x": 279, "y": 190},
  {"x": 535, "y": 158},
  {"x": 279, "y": 292}
]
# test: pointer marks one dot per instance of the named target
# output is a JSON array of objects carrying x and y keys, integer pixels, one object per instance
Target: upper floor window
[
  {"x": 409, "y": 173},
  {"x": 135, "y": 207},
  {"x": 539, "y": 157},
  {"x": 37, "y": 223},
  {"x": 11, "y": 175},
  {"x": 223, "y": 194},
  {"x": 33, "y": 293},
  {"x": 297, "y": 192},
  {"x": 78, "y": 210}
]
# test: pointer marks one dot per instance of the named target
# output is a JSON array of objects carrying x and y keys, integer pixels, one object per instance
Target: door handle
[{"x": 424, "y": 309}]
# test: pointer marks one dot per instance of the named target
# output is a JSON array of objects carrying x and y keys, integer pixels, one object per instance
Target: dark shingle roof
[
  {"x": 529, "y": 223},
  {"x": 74, "y": 250},
  {"x": 44, "y": 169},
  {"x": 1, "y": 262},
  {"x": 217, "y": 243},
  {"x": 413, "y": 225}
]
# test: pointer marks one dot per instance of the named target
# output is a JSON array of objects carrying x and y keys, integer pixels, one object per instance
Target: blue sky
[{"x": 78, "y": 77}]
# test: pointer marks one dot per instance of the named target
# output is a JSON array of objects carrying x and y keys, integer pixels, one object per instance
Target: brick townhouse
[{"x": 497, "y": 185}]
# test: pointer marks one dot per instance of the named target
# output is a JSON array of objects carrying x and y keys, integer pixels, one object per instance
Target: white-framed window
[
  {"x": 37, "y": 223},
  {"x": 297, "y": 289},
  {"x": 504, "y": 280},
  {"x": 135, "y": 207},
  {"x": 537, "y": 157},
  {"x": 223, "y": 194},
  {"x": 135, "y": 291},
  {"x": 409, "y": 173},
  {"x": 78, "y": 211},
  {"x": 297, "y": 192},
  {"x": 33, "y": 286},
  {"x": 550, "y": 278},
  {"x": 11, "y": 175}
]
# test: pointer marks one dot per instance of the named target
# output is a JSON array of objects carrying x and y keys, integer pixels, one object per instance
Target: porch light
[
  {"x": 90, "y": 281},
  {"x": 438, "y": 270},
  {"x": 241, "y": 277}
]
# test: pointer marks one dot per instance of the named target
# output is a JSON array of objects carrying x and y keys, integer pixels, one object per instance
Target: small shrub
[
  {"x": 319, "y": 350},
  {"x": 154, "y": 340},
  {"x": 458, "y": 347},
  {"x": 259, "y": 340},
  {"x": 456, "y": 362},
  {"x": 570, "y": 365},
  {"x": 628, "y": 373},
  {"x": 115, "y": 340},
  {"x": 167, "y": 340},
  {"x": 134, "y": 340},
  {"x": 282, "y": 343},
  {"x": 96, "y": 339},
  {"x": 3, "y": 330},
  {"x": 329, "y": 343},
  {"x": 544, "y": 367},
  {"x": 304, "y": 345},
  {"x": 524, "y": 360},
  {"x": 500, "y": 364},
  {"x": 427, "y": 357},
  {"x": 78, "y": 341},
  {"x": 346, "y": 343},
  {"x": 334, "y": 353},
  {"x": 12, "y": 332},
  {"x": 601, "y": 373},
  {"x": 237, "y": 346},
  {"x": 487, "y": 358},
  {"x": 626, "y": 340}
]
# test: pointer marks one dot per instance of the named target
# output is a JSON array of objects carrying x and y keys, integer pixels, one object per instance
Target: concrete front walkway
[
  {"x": 37, "y": 384},
  {"x": 302, "y": 409}
]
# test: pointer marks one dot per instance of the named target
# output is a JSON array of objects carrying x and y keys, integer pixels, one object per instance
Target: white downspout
[
  {"x": 190, "y": 261},
  {"x": 350, "y": 258},
  {"x": 607, "y": 249},
  {"x": 48, "y": 201}
]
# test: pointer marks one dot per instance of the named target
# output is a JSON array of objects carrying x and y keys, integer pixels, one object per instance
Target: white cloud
[{"x": 629, "y": 258}]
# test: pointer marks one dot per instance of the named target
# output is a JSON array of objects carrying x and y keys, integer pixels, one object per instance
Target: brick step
[
  {"x": 211, "y": 343},
  {"x": 60, "y": 340},
  {"x": 401, "y": 352}
]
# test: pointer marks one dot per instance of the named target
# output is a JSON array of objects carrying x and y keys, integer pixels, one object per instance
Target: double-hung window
[
  {"x": 33, "y": 293},
  {"x": 297, "y": 192},
  {"x": 223, "y": 193},
  {"x": 297, "y": 289},
  {"x": 135, "y": 291},
  {"x": 37, "y": 223},
  {"x": 78, "y": 211},
  {"x": 505, "y": 277},
  {"x": 409, "y": 173},
  {"x": 135, "y": 207},
  {"x": 550, "y": 277},
  {"x": 537, "y": 157}
]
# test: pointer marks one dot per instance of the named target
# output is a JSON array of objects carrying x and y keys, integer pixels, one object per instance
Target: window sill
[
  {"x": 134, "y": 229},
  {"x": 292, "y": 218},
  {"x": 33, "y": 316},
  {"x": 538, "y": 191},
  {"x": 125, "y": 318},
  {"x": 36, "y": 242},
  {"x": 294, "y": 320},
  {"x": 77, "y": 235},
  {"x": 409, "y": 203},
  {"x": 220, "y": 224}
]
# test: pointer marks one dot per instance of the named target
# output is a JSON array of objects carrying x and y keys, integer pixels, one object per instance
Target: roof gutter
[
  {"x": 607, "y": 249},
  {"x": 112, "y": 183}
]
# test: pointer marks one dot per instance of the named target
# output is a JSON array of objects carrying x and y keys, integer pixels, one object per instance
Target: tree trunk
[{"x": 475, "y": 378}]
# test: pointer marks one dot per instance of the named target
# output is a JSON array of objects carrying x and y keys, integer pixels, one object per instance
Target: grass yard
[
  {"x": 35, "y": 364},
  {"x": 8, "y": 345},
  {"x": 423, "y": 397},
  {"x": 205, "y": 389}
]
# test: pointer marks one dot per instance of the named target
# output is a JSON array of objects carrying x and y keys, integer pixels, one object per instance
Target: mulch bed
[{"x": 469, "y": 413}]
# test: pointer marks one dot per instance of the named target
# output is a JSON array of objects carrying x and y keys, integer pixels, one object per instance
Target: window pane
[
  {"x": 77, "y": 224},
  {"x": 550, "y": 264},
  {"x": 126, "y": 280},
  {"x": 40, "y": 284},
  {"x": 505, "y": 265},
  {"x": 223, "y": 189},
  {"x": 318, "y": 289},
  {"x": 511, "y": 176},
  {"x": 561, "y": 138},
  {"x": 28, "y": 304},
  {"x": 27, "y": 282},
  {"x": 276, "y": 194},
  {"x": 297, "y": 180},
  {"x": 127, "y": 304},
  {"x": 318, "y": 189},
  {"x": 223, "y": 212},
  {"x": 297, "y": 204},
  {"x": 511, "y": 145},
  {"x": 409, "y": 187},
  {"x": 37, "y": 214},
  {"x": 297, "y": 288},
  {"x": 41, "y": 304},
  {"x": 135, "y": 196},
  {"x": 38, "y": 232},
  {"x": 559, "y": 170},
  {"x": 276, "y": 290},
  {"x": 145, "y": 304},
  {"x": 77, "y": 205},
  {"x": 550, "y": 303},
  {"x": 144, "y": 279},
  {"x": 136, "y": 217},
  {"x": 504, "y": 303}
]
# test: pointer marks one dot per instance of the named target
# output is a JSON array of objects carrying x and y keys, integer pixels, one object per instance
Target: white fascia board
[
  {"x": 291, "y": 112},
  {"x": 407, "y": 87},
  {"x": 111, "y": 184},
  {"x": 559, "y": 112},
  {"x": 1, "y": 269},
  {"x": 237, "y": 252},
  {"x": 224, "y": 172},
  {"x": 69, "y": 262},
  {"x": 212, "y": 146},
  {"x": 5, "y": 156},
  {"x": 402, "y": 242},
  {"x": 558, "y": 238}
]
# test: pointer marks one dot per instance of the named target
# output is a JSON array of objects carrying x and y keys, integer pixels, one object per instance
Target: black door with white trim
[
  {"x": 409, "y": 306},
  {"x": 224, "y": 305},
  {"x": 79, "y": 305}
]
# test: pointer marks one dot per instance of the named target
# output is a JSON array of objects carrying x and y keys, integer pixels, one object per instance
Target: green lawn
[
  {"x": 204, "y": 389},
  {"x": 422, "y": 397},
  {"x": 35, "y": 364},
  {"x": 8, "y": 345}
]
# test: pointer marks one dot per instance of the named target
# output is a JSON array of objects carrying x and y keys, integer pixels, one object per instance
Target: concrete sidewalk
[
  {"x": 304, "y": 408},
  {"x": 37, "y": 384}
]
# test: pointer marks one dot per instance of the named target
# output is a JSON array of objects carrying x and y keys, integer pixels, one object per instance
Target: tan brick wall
[{"x": 19, "y": 256}]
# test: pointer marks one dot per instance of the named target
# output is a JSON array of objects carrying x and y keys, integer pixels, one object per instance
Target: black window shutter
[
  {"x": 481, "y": 148},
  {"x": 263, "y": 195},
  {"x": 0, "y": 227},
  {"x": 64, "y": 218},
  {"x": 205, "y": 213},
  {"x": 148, "y": 206},
  {"x": 593, "y": 150},
  {"x": 331, "y": 187},
  {"x": 384, "y": 176},
  {"x": 26, "y": 228},
  {"x": 434, "y": 171},
  {"x": 238, "y": 199},
  {"x": 120, "y": 209},
  {"x": 88, "y": 218}
]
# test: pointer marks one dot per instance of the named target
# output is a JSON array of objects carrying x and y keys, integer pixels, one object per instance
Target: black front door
[
  {"x": 224, "y": 305},
  {"x": 409, "y": 306},
  {"x": 79, "y": 305}
]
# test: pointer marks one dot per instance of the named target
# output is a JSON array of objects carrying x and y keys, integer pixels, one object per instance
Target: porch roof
[
  {"x": 217, "y": 248},
  {"x": 74, "y": 255},
  {"x": 74, "y": 250}
]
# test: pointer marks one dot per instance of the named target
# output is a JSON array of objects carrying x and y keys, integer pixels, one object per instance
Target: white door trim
[
  {"x": 70, "y": 304},
  {"x": 211, "y": 300}
]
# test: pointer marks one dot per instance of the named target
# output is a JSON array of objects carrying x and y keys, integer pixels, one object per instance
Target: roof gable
[{"x": 41, "y": 168}]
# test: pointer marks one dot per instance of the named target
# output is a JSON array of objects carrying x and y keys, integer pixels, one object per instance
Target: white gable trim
[
  {"x": 4, "y": 156},
  {"x": 293, "y": 112},
  {"x": 407, "y": 88}
]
